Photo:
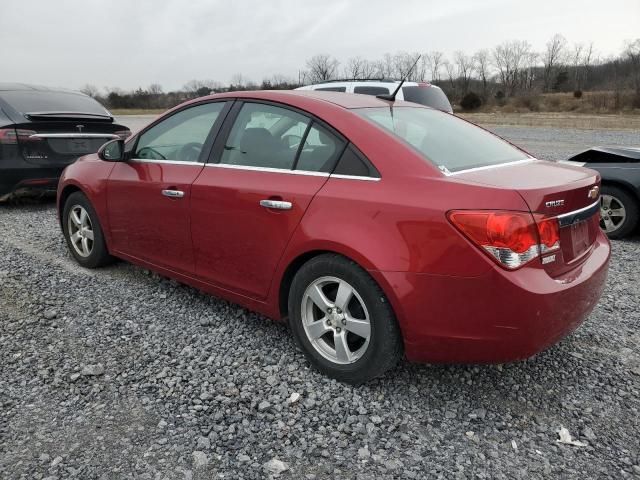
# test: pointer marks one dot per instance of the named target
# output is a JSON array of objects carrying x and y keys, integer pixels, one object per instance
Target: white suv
[{"x": 416, "y": 92}]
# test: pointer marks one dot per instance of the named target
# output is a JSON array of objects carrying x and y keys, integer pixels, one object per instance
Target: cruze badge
[
  {"x": 593, "y": 193},
  {"x": 555, "y": 203}
]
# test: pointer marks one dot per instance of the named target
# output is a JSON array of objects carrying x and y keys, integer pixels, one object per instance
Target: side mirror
[{"x": 112, "y": 151}]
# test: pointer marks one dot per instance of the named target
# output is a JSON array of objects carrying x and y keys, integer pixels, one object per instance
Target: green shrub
[
  {"x": 471, "y": 101},
  {"x": 577, "y": 94}
]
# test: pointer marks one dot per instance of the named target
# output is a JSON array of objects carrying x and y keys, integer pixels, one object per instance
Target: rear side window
[
  {"x": 354, "y": 163},
  {"x": 34, "y": 101},
  {"x": 332, "y": 89},
  {"x": 428, "y": 96},
  {"x": 447, "y": 141},
  {"x": 320, "y": 150},
  {"x": 367, "y": 90},
  {"x": 264, "y": 136}
]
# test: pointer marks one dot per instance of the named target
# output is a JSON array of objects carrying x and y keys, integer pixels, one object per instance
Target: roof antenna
[{"x": 392, "y": 97}]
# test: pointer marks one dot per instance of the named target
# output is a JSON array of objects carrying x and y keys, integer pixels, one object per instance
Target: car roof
[
  {"x": 25, "y": 87},
  {"x": 372, "y": 82},
  {"x": 345, "y": 100}
]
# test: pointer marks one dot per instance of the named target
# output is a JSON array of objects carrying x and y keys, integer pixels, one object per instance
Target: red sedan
[{"x": 374, "y": 227}]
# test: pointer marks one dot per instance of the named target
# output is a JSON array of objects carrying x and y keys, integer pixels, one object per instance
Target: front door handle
[
  {"x": 277, "y": 204},
  {"x": 173, "y": 193}
]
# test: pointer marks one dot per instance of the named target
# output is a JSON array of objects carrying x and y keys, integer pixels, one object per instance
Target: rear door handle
[
  {"x": 277, "y": 204},
  {"x": 173, "y": 193}
]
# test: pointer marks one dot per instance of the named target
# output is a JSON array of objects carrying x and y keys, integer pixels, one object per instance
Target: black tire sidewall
[
  {"x": 99, "y": 255},
  {"x": 383, "y": 343},
  {"x": 631, "y": 208}
]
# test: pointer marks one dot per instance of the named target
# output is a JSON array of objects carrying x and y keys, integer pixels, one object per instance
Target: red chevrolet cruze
[{"x": 375, "y": 227}]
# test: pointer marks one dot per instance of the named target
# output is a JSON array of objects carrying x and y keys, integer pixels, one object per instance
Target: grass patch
[{"x": 137, "y": 111}]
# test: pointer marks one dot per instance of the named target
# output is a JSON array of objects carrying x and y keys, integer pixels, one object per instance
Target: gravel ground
[{"x": 118, "y": 373}]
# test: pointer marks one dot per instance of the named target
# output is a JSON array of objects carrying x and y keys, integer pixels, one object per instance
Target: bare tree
[
  {"x": 155, "y": 89},
  {"x": 576, "y": 61},
  {"x": 451, "y": 76},
  {"x": 509, "y": 58},
  {"x": 464, "y": 67},
  {"x": 632, "y": 52},
  {"x": 322, "y": 68},
  {"x": 90, "y": 90},
  {"x": 552, "y": 57},
  {"x": 355, "y": 68},
  {"x": 435, "y": 61},
  {"x": 201, "y": 87},
  {"x": 238, "y": 80},
  {"x": 481, "y": 59}
]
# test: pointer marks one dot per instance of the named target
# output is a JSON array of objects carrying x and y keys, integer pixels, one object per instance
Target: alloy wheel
[
  {"x": 335, "y": 320},
  {"x": 80, "y": 230},
  {"x": 612, "y": 213}
]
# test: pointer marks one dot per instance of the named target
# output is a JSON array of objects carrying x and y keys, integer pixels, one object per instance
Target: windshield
[
  {"x": 429, "y": 96},
  {"x": 447, "y": 141},
  {"x": 29, "y": 101}
]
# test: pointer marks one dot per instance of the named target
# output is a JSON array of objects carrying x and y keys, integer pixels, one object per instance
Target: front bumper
[{"x": 498, "y": 317}]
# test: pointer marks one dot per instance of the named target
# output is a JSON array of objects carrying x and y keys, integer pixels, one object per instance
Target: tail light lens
[
  {"x": 123, "y": 134},
  {"x": 512, "y": 239},
  {"x": 10, "y": 136}
]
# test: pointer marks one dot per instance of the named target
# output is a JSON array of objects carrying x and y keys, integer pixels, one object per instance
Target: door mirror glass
[{"x": 112, "y": 151}]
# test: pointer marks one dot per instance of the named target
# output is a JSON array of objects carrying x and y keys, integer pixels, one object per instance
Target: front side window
[
  {"x": 447, "y": 141},
  {"x": 181, "y": 136},
  {"x": 265, "y": 136}
]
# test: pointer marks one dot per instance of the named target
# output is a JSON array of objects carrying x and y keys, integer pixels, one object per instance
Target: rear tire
[
  {"x": 342, "y": 320},
  {"x": 83, "y": 232},
  {"x": 618, "y": 212}
]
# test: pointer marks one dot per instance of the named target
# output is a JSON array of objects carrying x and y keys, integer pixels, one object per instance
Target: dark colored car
[
  {"x": 619, "y": 168},
  {"x": 376, "y": 228},
  {"x": 42, "y": 130}
]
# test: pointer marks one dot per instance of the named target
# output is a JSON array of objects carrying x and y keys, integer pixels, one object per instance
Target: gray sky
[{"x": 131, "y": 43}]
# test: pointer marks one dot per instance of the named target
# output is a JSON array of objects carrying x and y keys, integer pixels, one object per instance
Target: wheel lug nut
[
  {"x": 344, "y": 321},
  {"x": 338, "y": 329},
  {"x": 328, "y": 322}
]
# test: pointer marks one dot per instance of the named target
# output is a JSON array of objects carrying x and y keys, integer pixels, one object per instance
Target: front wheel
[
  {"x": 83, "y": 233},
  {"x": 618, "y": 212},
  {"x": 342, "y": 320}
]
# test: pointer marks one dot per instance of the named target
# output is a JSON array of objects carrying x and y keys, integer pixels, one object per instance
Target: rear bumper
[
  {"x": 30, "y": 177},
  {"x": 497, "y": 317}
]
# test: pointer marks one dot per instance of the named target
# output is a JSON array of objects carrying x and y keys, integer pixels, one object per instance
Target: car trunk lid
[
  {"x": 60, "y": 138},
  {"x": 552, "y": 190}
]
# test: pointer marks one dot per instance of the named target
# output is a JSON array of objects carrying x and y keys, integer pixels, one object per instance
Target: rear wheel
[
  {"x": 342, "y": 320},
  {"x": 618, "y": 212},
  {"x": 83, "y": 232}
]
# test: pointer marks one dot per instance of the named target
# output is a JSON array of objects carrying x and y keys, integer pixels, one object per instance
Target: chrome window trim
[
  {"x": 75, "y": 135},
  {"x": 267, "y": 169},
  {"x": 488, "y": 167},
  {"x": 169, "y": 162},
  {"x": 566, "y": 219},
  {"x": 355, "y": 177}
]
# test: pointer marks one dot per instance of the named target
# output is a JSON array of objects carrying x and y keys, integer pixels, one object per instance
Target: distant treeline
[{"x": 509, "y": 71}]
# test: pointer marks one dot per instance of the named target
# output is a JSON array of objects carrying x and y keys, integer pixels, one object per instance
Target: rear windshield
[
  {"x": 447, "y": 141},
  {"x": 429, "y": 96},
  {"x": 29, "y": 101}
]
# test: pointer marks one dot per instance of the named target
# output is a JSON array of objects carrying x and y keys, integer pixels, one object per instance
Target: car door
[
  {"x": 251, "y": 196},
  {"x": 148, "y": 195}
]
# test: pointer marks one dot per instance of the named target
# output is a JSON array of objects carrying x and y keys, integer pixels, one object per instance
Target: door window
[
  {"x": 320, "y": 151},
  {"x": 264, "y": 136},
  {"x": 181, "y": 136}
]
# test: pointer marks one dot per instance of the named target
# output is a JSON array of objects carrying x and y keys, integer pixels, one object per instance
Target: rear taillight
[
  {"x": 510, "y": 238},
  {"x": 123, "y": 134},
  {"x": 10, "y": 136}
]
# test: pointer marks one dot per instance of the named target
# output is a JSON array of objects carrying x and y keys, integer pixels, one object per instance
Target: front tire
[
  {"x": 342, "y": 320},
  {"x": 618, "y": 212},
  {"x": 83, "y": 232}
]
